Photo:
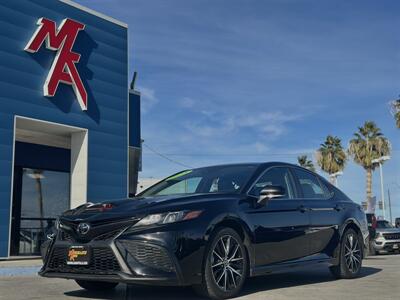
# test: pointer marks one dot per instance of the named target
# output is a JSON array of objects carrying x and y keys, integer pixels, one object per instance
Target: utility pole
[
  {"x": 390, "y": 207},
  {"x": 382, "y": 192}
]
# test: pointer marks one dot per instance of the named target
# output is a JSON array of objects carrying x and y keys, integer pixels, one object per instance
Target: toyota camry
[{"x": 211, "y": 228}]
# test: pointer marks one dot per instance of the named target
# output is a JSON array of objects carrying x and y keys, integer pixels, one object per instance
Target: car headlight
[{"x": 169, "y": 217}]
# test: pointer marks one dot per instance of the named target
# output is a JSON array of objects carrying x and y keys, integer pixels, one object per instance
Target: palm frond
[
  {"x": 331, "y": 157},
  {"x": 369, "y": 143}
]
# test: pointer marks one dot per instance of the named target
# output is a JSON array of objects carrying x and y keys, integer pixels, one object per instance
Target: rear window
[{"x": 310, "y": 185}]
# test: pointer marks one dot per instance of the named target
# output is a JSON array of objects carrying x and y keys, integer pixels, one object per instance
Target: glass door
[{"x": 39, "y": 197}]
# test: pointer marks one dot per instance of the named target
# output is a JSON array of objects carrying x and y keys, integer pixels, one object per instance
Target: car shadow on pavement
[
  {"x": 298, "y": 278},
  {"x": 124, "y": 292},
  {"x": 381, "y": 256},
  {"x": 252, "y": 285}
]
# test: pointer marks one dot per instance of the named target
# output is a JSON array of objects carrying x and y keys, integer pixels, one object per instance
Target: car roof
[{"x": 255, "y": 164}]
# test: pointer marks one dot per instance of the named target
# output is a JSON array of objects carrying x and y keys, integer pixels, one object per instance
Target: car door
[
  {"x": 280, "y": 225},
  {"x": 325, "y": 213}
]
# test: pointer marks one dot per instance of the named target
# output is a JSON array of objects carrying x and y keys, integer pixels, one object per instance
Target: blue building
[{"x": 69, "y": 124}]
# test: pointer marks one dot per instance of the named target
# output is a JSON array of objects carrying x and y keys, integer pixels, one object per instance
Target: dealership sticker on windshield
[
  {"x": 179, "y": 175},
  {"x": 78, "y": 255}
]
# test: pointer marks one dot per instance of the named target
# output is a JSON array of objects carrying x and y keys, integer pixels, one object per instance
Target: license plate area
[{"x": 78, "y": 256}]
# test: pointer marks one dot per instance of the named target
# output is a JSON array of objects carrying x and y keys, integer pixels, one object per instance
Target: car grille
[
  {"x": 99, "y": 231},
  {"x": 391, "y": 236},
  {"x": 148, "y": 255},
  {"x": 103, "y": 262},
  {"x": 67, "y": 237},
  {"x": 108, "y": 235}
]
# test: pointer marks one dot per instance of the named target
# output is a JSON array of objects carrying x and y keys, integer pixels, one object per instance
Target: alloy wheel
[
  {"x": 227, "y": 263},
  {"x": 352, "y": 253}
]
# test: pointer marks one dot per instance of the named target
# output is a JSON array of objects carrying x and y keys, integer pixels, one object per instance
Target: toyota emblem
[{"x": 83, "y": 228}]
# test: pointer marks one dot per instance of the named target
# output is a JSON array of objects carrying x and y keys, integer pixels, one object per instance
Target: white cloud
[
  {"x": 274, "y": 129},
  {"x": 259, "y": 147},
  {"x": 203, "y": 130},
  {"x": 208, "y": 113},
  {"x": 187, "y": 102},
  {"x": 148, "y": 98},
  {"x": 272, "y": 123},
  {"x": 214, "y": 124}
]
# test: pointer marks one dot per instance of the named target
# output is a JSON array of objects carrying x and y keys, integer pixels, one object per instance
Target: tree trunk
[
  {"x": 332, "y": 180},
  {"x": 40, "y": 201},
  {"x": 369, "y": 188}
]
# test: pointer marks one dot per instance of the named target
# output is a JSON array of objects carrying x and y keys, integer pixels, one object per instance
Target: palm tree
[
  {"x": 331, "y": 157},
  {"x": 37, "y": 175},
  {"x": 368, "y": 144},
  {"x": 305, "y": 162},
  {"x": 396, "y": 111}
]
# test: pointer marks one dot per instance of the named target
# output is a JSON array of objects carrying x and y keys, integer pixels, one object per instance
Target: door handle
[
  {"x": 338, "y": 207},
  {"x": 302, "y": 208}
]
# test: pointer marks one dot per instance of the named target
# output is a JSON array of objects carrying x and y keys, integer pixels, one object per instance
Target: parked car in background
[
  {"x": 387, "y": 237},
  {"x": 212, "y": 228},
  {"x": 397, "y": 222}
]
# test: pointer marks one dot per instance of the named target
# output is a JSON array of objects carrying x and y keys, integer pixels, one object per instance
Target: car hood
[
  {"x": 139, "y": 207},
  {"x": 388, "y": 230}
]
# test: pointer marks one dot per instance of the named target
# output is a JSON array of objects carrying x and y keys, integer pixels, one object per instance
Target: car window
[
  {"x": 216, "y": 179},
  {"x": 187, "y": 186},
  {"x": 275, "y": 176},
  {"x": 383, "y": 225},
  {"x": 310, "y": 185}
]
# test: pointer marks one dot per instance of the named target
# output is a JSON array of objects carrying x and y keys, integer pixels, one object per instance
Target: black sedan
[{"x": 211, "y": 228}]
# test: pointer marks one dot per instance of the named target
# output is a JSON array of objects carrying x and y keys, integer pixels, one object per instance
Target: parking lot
[{"x": 380, "y": 279}]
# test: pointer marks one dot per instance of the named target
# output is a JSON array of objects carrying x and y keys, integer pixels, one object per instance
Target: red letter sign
[{"x": 63, "y": 68}]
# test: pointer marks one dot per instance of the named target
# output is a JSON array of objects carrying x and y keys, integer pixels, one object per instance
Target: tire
[
  {"x": 96, "y": 285},
  {"x": 223, "y": 275},
  {"x": 350, "y": 261}
]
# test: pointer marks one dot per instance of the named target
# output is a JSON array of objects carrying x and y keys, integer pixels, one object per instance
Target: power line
[
  {"x": 166, "y": 157},
  {"x": 232, "y": 154},
  {"x": 244, "y": 154}
]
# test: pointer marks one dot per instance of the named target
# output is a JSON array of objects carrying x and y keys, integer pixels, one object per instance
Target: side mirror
[{"x": 270, "y": 192}]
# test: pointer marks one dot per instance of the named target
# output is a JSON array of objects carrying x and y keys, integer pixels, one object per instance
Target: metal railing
[{"x": 32, "y": 237}]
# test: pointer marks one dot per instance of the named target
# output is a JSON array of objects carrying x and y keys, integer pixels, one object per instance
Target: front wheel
[
  {"x": 225, "y": 266},
  {"x": 350, "y": 260},
  {"x": 96, "y": 285}
]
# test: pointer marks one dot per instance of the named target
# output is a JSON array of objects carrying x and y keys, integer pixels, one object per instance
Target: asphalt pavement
[{"x": 379, "y": 280}]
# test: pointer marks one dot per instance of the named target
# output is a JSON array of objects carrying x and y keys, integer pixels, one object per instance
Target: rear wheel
[
  {"x": 350, "y": 260},
  {"x": 96, "y": 285},
  {"x": 225, "y": 267}
]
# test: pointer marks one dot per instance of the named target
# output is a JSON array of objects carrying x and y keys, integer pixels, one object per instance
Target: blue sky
[{"x": 233, "y": 81}]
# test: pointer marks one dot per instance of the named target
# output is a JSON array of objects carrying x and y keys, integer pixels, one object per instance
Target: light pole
[
  {"x": 335, "y": 176},
  {"x": 379, "y": 161},
  {"x": 390, "y": 208}
]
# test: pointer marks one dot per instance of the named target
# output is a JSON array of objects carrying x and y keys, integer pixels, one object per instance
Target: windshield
[
  {"x": 383, "y": 224},
  {"x": 220, "y": 179}
]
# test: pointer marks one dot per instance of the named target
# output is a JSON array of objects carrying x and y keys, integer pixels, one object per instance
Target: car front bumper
[
  {"x": 381, "y": 244},
  {"x": 156, "y": 257}
]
